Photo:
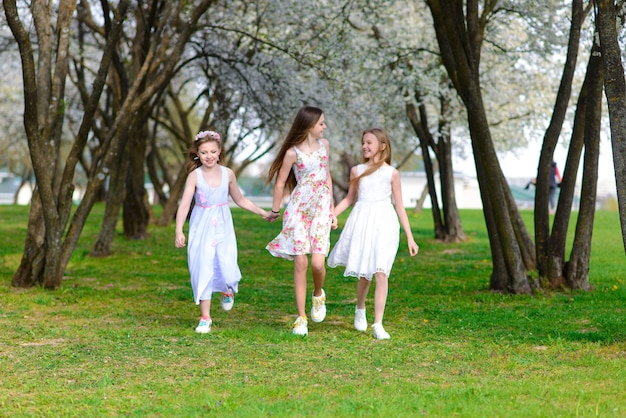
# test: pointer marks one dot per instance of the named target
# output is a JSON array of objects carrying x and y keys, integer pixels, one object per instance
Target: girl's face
[
  {"x": 371, "y": 147},
  {"x": 209, "y": 153},
  {"x": 317, "y": 131}
]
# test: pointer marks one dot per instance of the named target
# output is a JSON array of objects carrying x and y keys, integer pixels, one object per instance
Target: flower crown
[{"x": 211, "y": 134}]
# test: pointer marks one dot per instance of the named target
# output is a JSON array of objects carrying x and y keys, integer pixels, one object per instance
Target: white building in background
[{"x": 465, "y": 188}]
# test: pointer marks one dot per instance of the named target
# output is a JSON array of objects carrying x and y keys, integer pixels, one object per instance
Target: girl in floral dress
[
  {"x": 302, "y": 167},
  {"x": 212, "y": 250}
]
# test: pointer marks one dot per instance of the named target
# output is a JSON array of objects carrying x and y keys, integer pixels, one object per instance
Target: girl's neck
[
  {"x": 209, "y": 170},
  {"x": 310, "y": 141},
  {"x": 373, "y": 161}
]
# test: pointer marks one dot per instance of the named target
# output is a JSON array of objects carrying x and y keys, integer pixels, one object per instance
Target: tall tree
[
  {"x": 460, "y": 35},
  {"x": 46, "y": 253},
  {"x": 144, "y": 65},
  {"x": 48, "y": 243},
  {"x": 615, "y": 91}
]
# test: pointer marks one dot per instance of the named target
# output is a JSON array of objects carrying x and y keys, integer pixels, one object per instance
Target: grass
[{"x": 117, "y": 338}]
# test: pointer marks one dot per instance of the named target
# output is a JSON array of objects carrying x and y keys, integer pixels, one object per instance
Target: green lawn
[{"x": 117, "y": 339}]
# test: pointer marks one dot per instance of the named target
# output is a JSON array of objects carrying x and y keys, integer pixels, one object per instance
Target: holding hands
[{"x": 271, "y": 216}]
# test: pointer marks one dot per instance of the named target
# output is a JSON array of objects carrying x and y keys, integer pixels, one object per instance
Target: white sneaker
[
  {"x": 228, "y": 300},
  {"x": 379, "y": 332},
  {"x": 204, "y": 327},
  {"x": 360, "y": 321},
  {"x": 300, "y": 327},
  {"x": 318, "y": 310}
]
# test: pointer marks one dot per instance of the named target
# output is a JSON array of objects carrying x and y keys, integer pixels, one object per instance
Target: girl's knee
[
  {"x": 381, "y": 277},
  {"x": 318, "y": 266},
  {"x": 300, "y": 263}
]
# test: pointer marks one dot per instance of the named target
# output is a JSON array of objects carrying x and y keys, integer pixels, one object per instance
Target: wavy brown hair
[
  {"x": 385, "y": 153},
  {"x": 192, "y": 160},
  {"x": 305, "y": 120}
]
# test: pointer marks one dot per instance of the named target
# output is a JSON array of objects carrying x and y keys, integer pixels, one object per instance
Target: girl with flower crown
[{"x": 212, "y": 249}]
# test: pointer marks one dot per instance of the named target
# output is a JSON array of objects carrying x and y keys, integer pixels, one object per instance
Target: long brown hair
[
  {"x": 385, "y": 153},
  {"x": 192, "y": 160},
  {"x": 305, "y": 120}
]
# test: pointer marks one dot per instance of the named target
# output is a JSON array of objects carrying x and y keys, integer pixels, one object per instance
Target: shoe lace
[
  {"x": 318, "y": 301},
  {"x": 299, "y": 322}
]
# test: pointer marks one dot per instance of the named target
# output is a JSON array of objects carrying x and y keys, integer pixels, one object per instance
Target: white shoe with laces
[
  {"x": 228, "y": 300},
  {"x": 204, "y": 327},
  {"x": 300, "y": 327},
  {"x": 360, "y": 320},
  {"x": 379, "y": 332},
  {"x": 318, "y": 310}
]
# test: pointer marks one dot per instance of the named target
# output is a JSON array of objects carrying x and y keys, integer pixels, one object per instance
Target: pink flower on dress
[
  {"x": 214, "y": 221},
  {"x": 213, "y": 243},
  {"x": 201, "y": 198}
]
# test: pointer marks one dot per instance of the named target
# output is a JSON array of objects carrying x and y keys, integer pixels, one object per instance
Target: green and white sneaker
[
  {"x": 300, "y": 327},
  {"x": 228, "y": 300},
  {"x": 204, "y": 327}
]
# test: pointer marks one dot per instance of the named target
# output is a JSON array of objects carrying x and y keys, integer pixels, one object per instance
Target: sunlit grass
[{"x": 117, "y": 338}]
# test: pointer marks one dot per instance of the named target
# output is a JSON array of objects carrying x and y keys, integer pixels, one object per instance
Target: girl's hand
[
  {"x": 333, "y": 223},
  {"x": 413, "y": 248},
  {"x": 180, "y": 240},
  {"x": 271, "y": 216}
]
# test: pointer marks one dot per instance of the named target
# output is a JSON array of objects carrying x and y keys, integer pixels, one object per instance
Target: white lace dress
[
  {"x": 212, "y": 247},
  {"x": 369, "y": 240}
]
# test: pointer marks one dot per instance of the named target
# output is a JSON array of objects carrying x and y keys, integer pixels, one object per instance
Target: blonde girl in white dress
[
  {"x": 369, "y": 241},
  {"x": 302, "y": 167}
]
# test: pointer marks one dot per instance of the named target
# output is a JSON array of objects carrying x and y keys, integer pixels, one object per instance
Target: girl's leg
[
  {"x": 362, "y": 287},
  {"x": 205, "y": 309},
  {"x": 380, "y": 296},
  {"x": 360, "y": 319},
  {"x": 318, "y": 267},
  {"x": 204, "y": 326},
  {"x": 300, "y": 266}
]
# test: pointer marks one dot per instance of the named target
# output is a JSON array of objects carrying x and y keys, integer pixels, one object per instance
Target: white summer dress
[
  {"x": 307, "y": 218},
  {"x": 212, "y": 247},
  {"x": 369, "y": 240}
]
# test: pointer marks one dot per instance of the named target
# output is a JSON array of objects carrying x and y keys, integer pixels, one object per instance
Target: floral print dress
[
  {"x": 307, "y": 218},
  {"x": 212, "y": 247}
]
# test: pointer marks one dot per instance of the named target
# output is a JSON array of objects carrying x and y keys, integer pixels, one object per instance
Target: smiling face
[
  {"x": 317, "y": 131},
  {"x": 371, "y": 147},
  {"x": 209, "y": 153}
]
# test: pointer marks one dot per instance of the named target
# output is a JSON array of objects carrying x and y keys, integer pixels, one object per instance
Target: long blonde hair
[
  {"x": 192, "y": 160},
  {"x": 305, "y": 120},
  {"x": 385, "y": 153}
]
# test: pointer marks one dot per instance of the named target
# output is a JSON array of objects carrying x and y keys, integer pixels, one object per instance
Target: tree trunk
[
  {"x": 577, "y": 269},
  {"x": 136, "y": 216},
  {"x": 29, "y": 272},
  {"x": 115, "y": 196},
  {"x": 551, "y": 137},
  {"x": 452, "y": 220},
  {"x": 460, "y": 39},
  {"x": 585, "y": 132},
  {"x": 447, "y": 227},
  {"x": 615, "y": 90},
  {"x": 171, "y": 204}
]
